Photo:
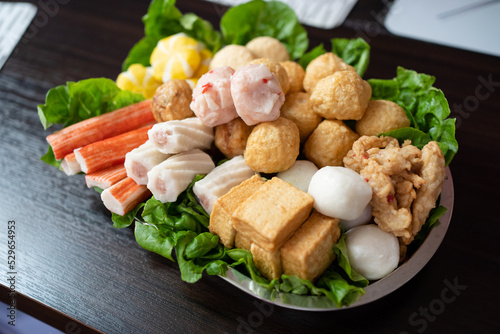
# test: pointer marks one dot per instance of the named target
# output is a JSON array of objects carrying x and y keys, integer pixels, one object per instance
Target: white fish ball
[
  {"x": 365, "y": 218},
  {"x": 339, "y": 192},
  {"x": 300, "y": 174},
  {"x": 373, "y": 253}
]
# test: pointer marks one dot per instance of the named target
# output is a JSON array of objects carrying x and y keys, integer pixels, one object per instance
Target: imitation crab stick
[
  {"x": 123, "y": 196},
  {"x": 100, "y": 127},
  {"x": 107, "y": 177},
  {"x": 111, "y": 151},
  {"x": 69, "y": 165}
]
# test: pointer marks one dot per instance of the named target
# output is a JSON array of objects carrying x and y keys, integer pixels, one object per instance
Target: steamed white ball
[
  {"x": 365, "y": 218},
  {"x": 339, "y": 192},
  {"x": 300, "y": 174},
  {"x": 373, "y": 253}
]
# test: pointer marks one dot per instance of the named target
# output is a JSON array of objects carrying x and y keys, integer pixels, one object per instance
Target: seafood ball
[
  {"x": 329, "y": 143},
  {"x": 257, "y": 94},
  {"x": 269, "y": 47},
  {"x": 276, "y": 69},
  {"x": 273, "y": 146},
  {"x": 323, "y": 66},
  {"x": 365, "y": 218},
  {"x": 212, "y": 101},
  {"x": 231, "y": 138},
  {"x": 381, "y": 116},
  {"x": 232, "y": 55},
  {"x": 295, "y": 74},
  {"x": 339, "y": 192},
  {"x": 373, "y": 253},
  {"x": 298, "y": 109},
  {"x": 342, "y": 95},
  {"x": 171, "y": 101},
  {"x": 299, "y": 175}
]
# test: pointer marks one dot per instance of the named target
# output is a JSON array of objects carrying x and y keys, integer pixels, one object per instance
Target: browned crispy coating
[
  {"x": 298, "y": 109},
  {"x": 381, "y": 116},
  {"x": 321, "y": 67},
  {"x": 295, "y": 75},
  {"x": 171, "y": 101},
  {"x": 231, "y": 138}
]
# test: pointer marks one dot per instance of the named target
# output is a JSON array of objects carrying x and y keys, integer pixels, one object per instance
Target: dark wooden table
[{"x": 75, "y": 271}]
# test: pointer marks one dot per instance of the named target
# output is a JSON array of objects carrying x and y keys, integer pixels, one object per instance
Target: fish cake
[
  {"x": 231, "y": 55},
  {"x": 231, "y": 138},
  {"x": 171, "y": 101},
  {"x": 295, "y": 74},
  {"x": 381, "y": 116},
  {"x": 329, "y": 143},
  {"x": 269, "y": 47},
  {"x": 298, "y": 109},
  {"x": 321, "y": 67}
]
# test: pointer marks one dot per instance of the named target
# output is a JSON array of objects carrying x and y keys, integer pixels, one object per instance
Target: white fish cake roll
[
  {"x": 212, "y": 101},
  {"x": 141, "y": 160},
  {"x": 177, "y": 136},
  {"x": 257, "y": 94},
  {"x": 220, "y": 180},
  {"x": 171, "y": 177}
]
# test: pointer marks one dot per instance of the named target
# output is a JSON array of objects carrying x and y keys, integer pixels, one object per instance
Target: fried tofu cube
[
  {"x": 273, "y": 213},
  {"x": 268, "y": 262},
  {"x": 241, "y": 241},
  {"x": 220, "y": 218},
  {"x": 309, "y": 251}
]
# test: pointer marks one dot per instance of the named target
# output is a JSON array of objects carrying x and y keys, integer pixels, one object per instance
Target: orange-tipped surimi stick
[
  {"x": 107, "y": 177},
  {"x": 69, "y": 164},
  {"x": 111, "y": 151},
  {"x": 123, "y": 196},
  {"x": 100, "y": 127}
]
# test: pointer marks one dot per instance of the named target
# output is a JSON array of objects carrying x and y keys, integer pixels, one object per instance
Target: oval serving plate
[{"x": 374, "y": 291}]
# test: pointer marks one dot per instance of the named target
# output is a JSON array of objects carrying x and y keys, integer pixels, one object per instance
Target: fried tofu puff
[
  {"x": 298, "y": 109},
  {"x": 232, "y": 55},
  {"x": 276, "y": 69},
  {"x": 171, "y": 101},
  {"x": 343, "y": 95},
  {"x": 231, "y": 138},
  {"x": 323, "y": 66},
  {"x": 329, "y": 143},
  {"x": 295, "y": 75},
  {"x": 268, "y": 47},
  {"x": 381, "y": 116},
  {"x": 273, "y": 146}
]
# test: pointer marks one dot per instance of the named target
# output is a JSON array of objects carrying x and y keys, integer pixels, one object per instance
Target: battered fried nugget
[
  {"x": 295, "y": 75},
  {"x": 231, "y": 138},
  {"x": 343, "y": 95},
  {"x": 273, "y": 146},
  {"x": 276, "y": 69},
  {"x": 381, "y": 116},
  {"x": 231, "y": 55},
  {"x": 298, "y": 109},
  {"x": 171, "y": 101},
  {"x": 328, "y": 143},
  {"x": 323, "y": 66},
  {"x": 269, "y": 47}
]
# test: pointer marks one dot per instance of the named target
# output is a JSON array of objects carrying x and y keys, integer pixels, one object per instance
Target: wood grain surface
[{"x": 70, "y": 258}]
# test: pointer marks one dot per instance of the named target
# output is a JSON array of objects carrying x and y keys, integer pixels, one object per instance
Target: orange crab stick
[
  {"x": 69, "y": 165},
  {"x": 125, "y": 195},
  {"x": 107, "y": 177},
  {"x": 111, "y": 151},
  {"x": 100, "y": 127}
]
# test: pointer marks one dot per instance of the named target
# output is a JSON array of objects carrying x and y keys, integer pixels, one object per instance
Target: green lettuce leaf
[
  {"x": 425, "y": 106},
  {"x": 309, "y": 56},
  {"x": 163, "y": 19},
  {"x": 355, "y": 52},
  {"x": 256, "y": 18}
]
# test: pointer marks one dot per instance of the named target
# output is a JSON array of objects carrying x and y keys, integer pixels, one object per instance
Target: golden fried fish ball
[
  {"x": 268, "y": 47},
  {"x": 323, "y": 66},
  {"x": 329, "y": 143},
  {"x": 171, "y": 101},
  {"x": 232, "y": 55},
  {"x": 342, "y": 95},
  {"x": 231, "y": 138},
  {"x": 381, "y": 116},
  {"x": 276, "y": 69},
  {"x": 298, "y": 109},
  {"x": 273, "y": 146},
  {"x": 295, "y": 75}
]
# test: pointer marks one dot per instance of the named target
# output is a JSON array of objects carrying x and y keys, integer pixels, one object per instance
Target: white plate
[{"x": 374, "y": 291}]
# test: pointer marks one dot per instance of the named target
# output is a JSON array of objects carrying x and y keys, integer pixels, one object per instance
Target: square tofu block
[
  {"x": 220, "y": 218},
  {"x": 268, "y": 262},
  {"x": 309, "y": 251},
  {"x": 271, "y": 215},
  {"x": 241, "y": 241}
]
